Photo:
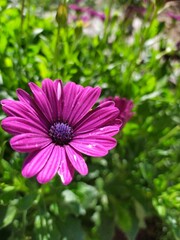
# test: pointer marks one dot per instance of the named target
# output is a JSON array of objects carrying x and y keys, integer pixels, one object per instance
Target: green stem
[
  {"x": 106, "y": 25},
  {"x": 22, "y": 16},
  {"x": 56, "y": 51},
  {"x": 18, "y": 67},
  {"x": 29, "y": 13},
  {"x": 24, "y": 220}
]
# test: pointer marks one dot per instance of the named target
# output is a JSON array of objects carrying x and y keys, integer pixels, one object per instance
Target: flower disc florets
[{"x": 61, "y": 133}]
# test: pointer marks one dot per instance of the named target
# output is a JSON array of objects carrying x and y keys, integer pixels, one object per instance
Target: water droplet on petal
[
  {"x": 59, "y": 91},
  {"x": 89, "y": 146}
]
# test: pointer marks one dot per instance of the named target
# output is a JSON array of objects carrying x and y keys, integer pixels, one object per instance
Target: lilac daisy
[
  {"x": 173, "y": 16},
  {"x": 90, "y": 11},
  {"x": 56, "y": 125}
]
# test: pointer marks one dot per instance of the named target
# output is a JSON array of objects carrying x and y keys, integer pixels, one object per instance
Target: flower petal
[
  {"x": 97, "y": 118},
  {"x": 109, "y": 130},
  {"x": 84, "y": 102},
  {"x": 125, "y": 108},
  {"x": 66, "y": 170},
  {"x": 76, "y": 160},
  {"x": 23, "y": 96},
  {"x": 26, "y": 99},
  {"x": 70, "y": 95},
  {"x": 13, "y": 108},
  {"x": 41, "y": 101},
  {"x": 17, "y": 125},
  {"x": 49, "y": 90},
  {"x": 106, "y": 104},
  {"x": 59, "y": 96},
  {"x": 16, "y": 108},
  {"x": 95, "y": 146},
  {"x": 51, "y": 167},
  {"x": 35, "y": 161},
  {"x": 28, "y": 142}
]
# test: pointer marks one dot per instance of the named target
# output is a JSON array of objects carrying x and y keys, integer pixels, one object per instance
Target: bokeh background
[{"x": 130, "y": 49}]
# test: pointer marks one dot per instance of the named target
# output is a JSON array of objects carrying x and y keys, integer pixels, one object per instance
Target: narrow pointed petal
[
  {"x": 106, "y": 104},
  {"x": 20, "y": 109},
  {"x": 76, "y": 160},
  {"x": 16, "y": 125},
  {"x": 49, "y": 90},
  {"x": 125, "y": 108},
  {"x": 51, "y": 167},
  {"x": 35, "y": 161},
  {"x": 27, "y": 100},
  {"x": 23, "y": 96},
  {"x": 66, "y": 170},
  {"x": 58, "y": 88},
  {"x": 29, "y": 142},
  {"x": 71, "y": 94},
  {"x": 109, "y": 130},
  {"x": 13, "y": 108},
  {"x": 96, "y": 119},
  {"x": 84, "y": 102},
  {"x": 95, "y": 146},
  {"x": 41, "y": 101},
  {"x": 16, "y": 108}
]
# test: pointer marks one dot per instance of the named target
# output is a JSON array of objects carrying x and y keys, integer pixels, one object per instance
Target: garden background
[{"x": 130, "y": 49}]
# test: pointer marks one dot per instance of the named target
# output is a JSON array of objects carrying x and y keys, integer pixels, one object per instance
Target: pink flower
[
  {"x": 174, "y": 16},
  {"x": 56, "y": 125},
  {"x": 125, "y": 106},
  {"x": 95, "y": 13},
  {"x": 90, "y": 11},
  {"x": 77, "y": 8}
]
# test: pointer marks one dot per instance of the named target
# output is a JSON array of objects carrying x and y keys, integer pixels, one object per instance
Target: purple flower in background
[
  {"x": 174, "y": 16},
  {"x": 135, "y": 9},
  {"x": 78, "y": 1},
  {"x": 125, "y": 108},
  {"x": 56, "y": 124},
  {"x": 87, "y": 10},
  {"x": 95, "y": 13},
  {"x": 77, "y": 8}
]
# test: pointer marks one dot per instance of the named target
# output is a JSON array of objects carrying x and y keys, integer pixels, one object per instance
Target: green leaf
[
  {"x": 7, "y": 215},
  {"x": 72, "y": 229},
  {"x": 106, "y": 228},
  {"x": 27, "y": 201},
  {"x": 72, "y": 203},
  {"x": 87, "y": 195},
  {"x": 124, "y": 219},
  {"x": 5, "y": 164}
]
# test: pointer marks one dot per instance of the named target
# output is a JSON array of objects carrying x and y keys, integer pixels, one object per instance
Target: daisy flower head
[{"x": 56, "y": 124}]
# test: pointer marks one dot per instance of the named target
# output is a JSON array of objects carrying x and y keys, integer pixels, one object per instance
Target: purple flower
[
  {"x": 174, "y": 16},
  {"x": 125, "y": 106},
  {"x": 55, "y": 125},
  {"x": 131, "y": 9},
  {"x": 77, "y": 8},
  {"x": 95, "y": 13},
  {"x": 90, "y": 11}
]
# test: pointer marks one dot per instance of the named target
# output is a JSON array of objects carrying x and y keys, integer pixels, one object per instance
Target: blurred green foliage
[{"x": 139, "y": 179}]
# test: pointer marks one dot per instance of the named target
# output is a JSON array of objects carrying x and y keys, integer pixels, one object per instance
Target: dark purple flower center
[{"x": 61, "y": 133}]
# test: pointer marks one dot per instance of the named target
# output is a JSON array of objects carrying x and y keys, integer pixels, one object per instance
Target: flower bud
[
  {"x": 78, "y": 28},
  {"x": 61, "y": 15}
]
